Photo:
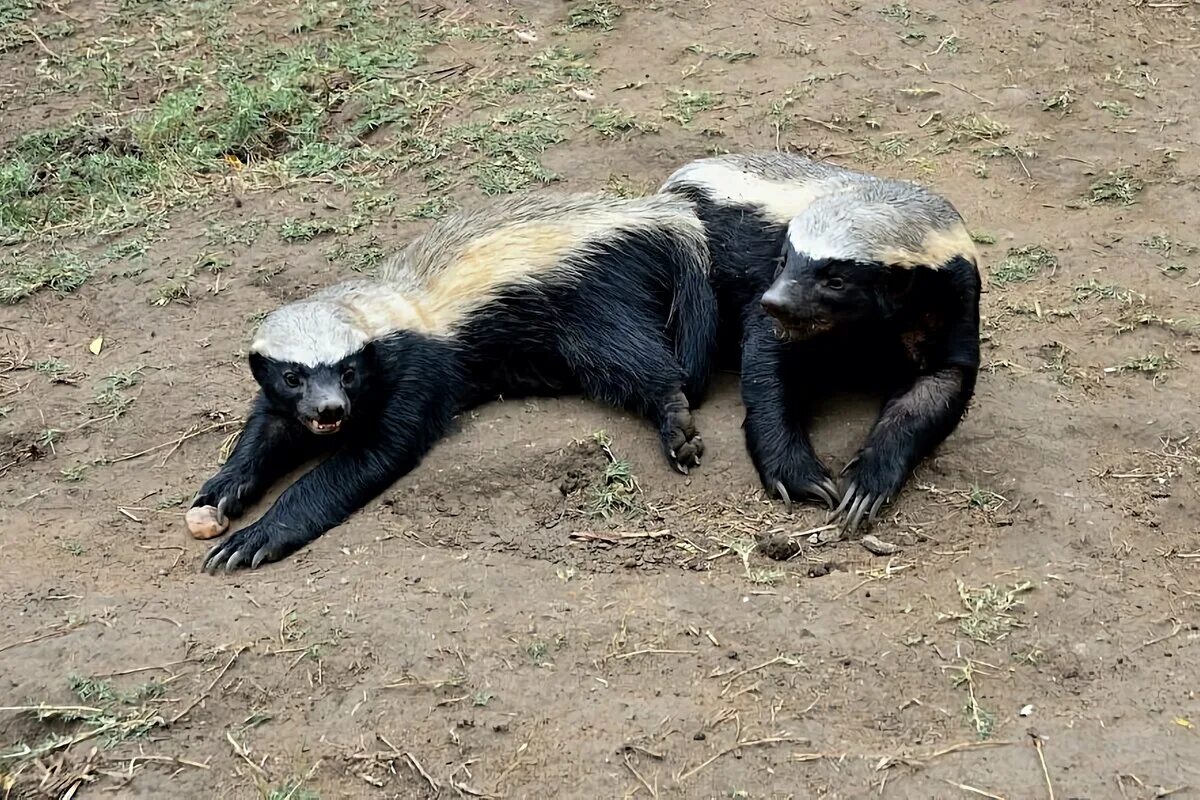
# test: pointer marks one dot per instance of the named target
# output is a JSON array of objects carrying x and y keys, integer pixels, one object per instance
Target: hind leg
[{"x": 619, "y": 364}]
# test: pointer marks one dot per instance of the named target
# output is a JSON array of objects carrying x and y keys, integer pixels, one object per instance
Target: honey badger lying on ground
[
  {"x": 827, "y": 273},
  {"x": 540, "y": 294}
]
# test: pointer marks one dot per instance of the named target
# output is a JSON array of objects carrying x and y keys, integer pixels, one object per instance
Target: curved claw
[
  {"x": 847, "y": 499},
  {"x": 783, "y": 493},
  {"x": 849, "y": 465},
  {"x": 222, "y": 520},
  {"x": 878, "y": 504},
  {"x": 824, "y": 491},
  {"x": 855, "y": 515},
  {"x": 832, "y": 489},
  {"x": 259, "y": 558},
  {"x": 215, "y": 558},
  {"x": 233, "y": 561}
]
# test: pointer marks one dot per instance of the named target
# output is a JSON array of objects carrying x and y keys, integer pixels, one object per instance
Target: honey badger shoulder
[
  {"x": 540, "y": 294},
  {"x": 842, "y": 275}
]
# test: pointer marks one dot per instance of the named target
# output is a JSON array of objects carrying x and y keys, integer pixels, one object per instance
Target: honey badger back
[
  {"x": 541, "y": 294},
  {"x": 825, "y": 274}
]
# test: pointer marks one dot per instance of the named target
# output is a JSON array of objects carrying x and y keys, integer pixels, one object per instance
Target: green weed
[
  {"x": 1115, "y": 188},
  {"x": 1023, "y": 264},
  {"x": 22, "y": 277},
  {"x": 684, "y": 104}
]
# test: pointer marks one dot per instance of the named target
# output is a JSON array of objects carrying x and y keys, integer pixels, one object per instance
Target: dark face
[
  {"x": 814, "y": 296},
  {"x": 320, "y": 397}
]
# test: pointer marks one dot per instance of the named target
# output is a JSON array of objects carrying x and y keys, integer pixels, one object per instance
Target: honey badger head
[
  {"x": 852, "y": 255},
  {"x": 312, "y": 362}
]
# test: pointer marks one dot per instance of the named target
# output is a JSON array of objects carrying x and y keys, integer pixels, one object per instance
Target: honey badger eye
[
  {"x": 835, "y": 283},
  {"x": 348, "y": 376},
  {"x": 291, "y": 379}
]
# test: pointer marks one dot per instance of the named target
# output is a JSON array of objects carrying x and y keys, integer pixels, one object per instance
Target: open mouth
[
  {"x": 323, "y": 428},
  {"x": 796, "y": 330}
]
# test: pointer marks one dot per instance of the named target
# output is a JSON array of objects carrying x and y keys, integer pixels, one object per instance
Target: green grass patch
[
  {"x": 1150, "y": 364},
  {"x": 111, "y": 395},
  {"x": 597, "y": 14},
  {"x": 1116, "y": 108},
  {"x": 618, "y": 492},
  {"x": 1118, "y": 188},
  {"x": 362, "y": 257},
  {"x": 109, "y": 717},
  {"x": 683, "y": 105},
  {"x": 433, "y": 208},
  {"x": 987, "y": 611},
  {"x": 612, "y": 121},
  {"x": 1023, "y": 264},
  {"x": 293, "y": 230},
  {"x": 506, "y": 148},
  {"x": 22, "y": 277},
  {"x": 1060, "y": 101},
  {"x": 977, "y": 127}
]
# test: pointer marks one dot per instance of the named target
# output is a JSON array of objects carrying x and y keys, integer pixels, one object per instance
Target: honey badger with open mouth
[
  {"x": 541, "y": 294},
  {"x": 829, "y": 274}
]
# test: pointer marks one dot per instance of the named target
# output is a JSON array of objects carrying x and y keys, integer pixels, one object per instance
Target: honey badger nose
[
  {"x": 330, "y": 411},
  {"x": 774, "y": 302}
]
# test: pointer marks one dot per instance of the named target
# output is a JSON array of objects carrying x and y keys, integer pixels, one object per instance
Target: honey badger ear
[{"x": 259, "y": 367}]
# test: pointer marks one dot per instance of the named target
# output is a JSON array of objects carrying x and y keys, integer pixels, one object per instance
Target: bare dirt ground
[{"x": 172, "y": 171}]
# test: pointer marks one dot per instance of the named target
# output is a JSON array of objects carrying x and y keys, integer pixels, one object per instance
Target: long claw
[
  {"x": 259, "y": 557},
  {"x": 847, "y": 499},
  {"x": 856, "y": 513},
  {"x": 849, "y": 465},
  {"x": 783, "y": 492},
  {"x": 819, "y": 490},
  {"x": 831, "y": 490},
  {"x": 222, "y": 520},
  {"x": 878, "y": 504},
  {"x": 233, "y": 561},
  {"x": 214, "y": 559}
]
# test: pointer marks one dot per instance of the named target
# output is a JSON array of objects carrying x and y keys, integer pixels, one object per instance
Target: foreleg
[
  {"x": 777, "y": 405},
  {"x": 345, "y": 482},
  {"x": 270, "y": 446},
  {"x": 910, "y": 426}
]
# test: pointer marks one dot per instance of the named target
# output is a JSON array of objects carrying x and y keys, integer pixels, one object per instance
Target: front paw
[
  {"x": 227, "y": 492},
  {"x": 681, "y": 442},
  {"x": 800, "y": 478},
  {"x": 252, "y": 546},
  {"x": 871, "y": 481}
]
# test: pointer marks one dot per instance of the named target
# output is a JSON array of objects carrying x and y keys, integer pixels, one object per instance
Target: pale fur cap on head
[
  {"x": 896, "y": 223},
  {"x": 311, "y": 332}
]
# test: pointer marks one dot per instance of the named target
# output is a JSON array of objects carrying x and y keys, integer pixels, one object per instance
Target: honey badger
[
  {"x": 540, "y": 294},
  {"x": 828, "y": 274}
]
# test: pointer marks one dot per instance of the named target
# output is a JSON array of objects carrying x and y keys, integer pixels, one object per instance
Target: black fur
[
  {"x": 619, "y": 335},
  {"x": 914, "y": 333}
]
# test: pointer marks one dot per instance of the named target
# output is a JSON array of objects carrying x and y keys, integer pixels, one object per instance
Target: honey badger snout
[
  {"x": 325, "y": 408},
  {"x": 776, "y": 300},
  {"x": 331, "y": 412}
]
